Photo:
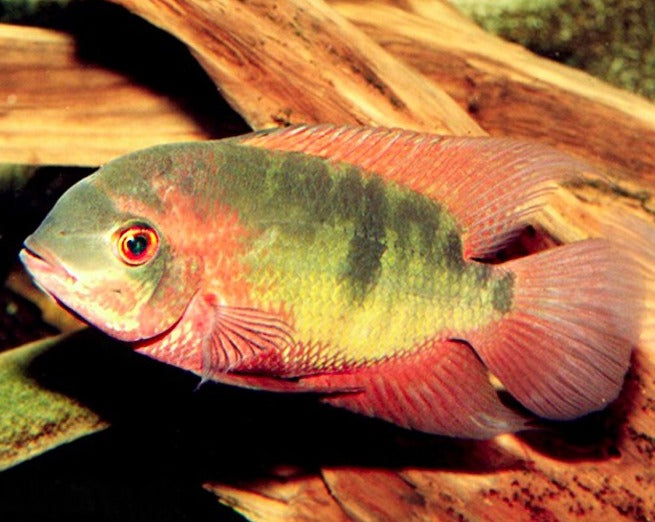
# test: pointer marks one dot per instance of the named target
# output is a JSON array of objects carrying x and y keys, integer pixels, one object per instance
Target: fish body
[{"x": 349, "y": 262}]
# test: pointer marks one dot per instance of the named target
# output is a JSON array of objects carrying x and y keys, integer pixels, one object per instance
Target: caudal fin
[
  {"x": 636, "y": 238},
  {"x": 564, "y": 348}
]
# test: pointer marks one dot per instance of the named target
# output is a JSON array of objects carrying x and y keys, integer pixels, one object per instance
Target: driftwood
[
  {"x": 510, "y": 91},
  {"x": 56, "y": 109},
  {"x": 289, "y": 62},
  {"x": 303, "y": 63}
]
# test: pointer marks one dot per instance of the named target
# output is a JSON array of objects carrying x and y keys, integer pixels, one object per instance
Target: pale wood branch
[
  {"x": 56, "y": 109},
  {"x": 509, "y": 90},
  {"x": 297, "y": 61}
]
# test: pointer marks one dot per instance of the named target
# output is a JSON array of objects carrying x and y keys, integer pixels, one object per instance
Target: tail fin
[{"x": 564, "y": 348}]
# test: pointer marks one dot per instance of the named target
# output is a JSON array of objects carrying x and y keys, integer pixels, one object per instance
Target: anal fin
[{"x": 443, "y": 389}]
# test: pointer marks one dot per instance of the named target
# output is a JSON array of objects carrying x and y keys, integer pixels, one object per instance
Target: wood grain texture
[
  {"x": 57, "y": 109},
  {"x": 509, "y": 90},
  {"x": 297, "y": 61}
]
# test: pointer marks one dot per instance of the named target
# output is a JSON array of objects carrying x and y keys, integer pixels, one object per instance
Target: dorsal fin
[{"x": 490, "y": 185}]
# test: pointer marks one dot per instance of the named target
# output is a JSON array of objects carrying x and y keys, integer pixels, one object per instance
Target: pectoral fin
[{"x": 236, "y": 335}]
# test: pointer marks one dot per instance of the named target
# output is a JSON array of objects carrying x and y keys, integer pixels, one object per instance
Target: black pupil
[{"x": 137, "y": 244}]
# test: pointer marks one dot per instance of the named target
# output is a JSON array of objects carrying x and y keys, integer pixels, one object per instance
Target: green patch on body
[
  {"x": 502, "y": 293},
  {"x": 340, "y": 246},
  {"x": 134, "y": 175},
  {"x": 284, "y": 190}
]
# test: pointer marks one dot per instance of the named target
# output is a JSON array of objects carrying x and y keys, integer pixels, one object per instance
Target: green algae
[
  {"x": 34, "y": 419},
  {"x": 611, "y": 39}
]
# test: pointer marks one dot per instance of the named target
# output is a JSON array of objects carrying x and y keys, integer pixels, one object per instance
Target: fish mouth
[{"x": 44, "y": 266}]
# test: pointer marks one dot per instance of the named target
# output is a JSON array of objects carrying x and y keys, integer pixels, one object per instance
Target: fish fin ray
[
  {"x": 238, "y": 334},
  {"x": 277, "y": 384},
  {"x": 491, "y": 185},
  {"x": 635, "y": 237},
  {"x": 443, "y": 389},
  {"x": 564, "y": 347}
]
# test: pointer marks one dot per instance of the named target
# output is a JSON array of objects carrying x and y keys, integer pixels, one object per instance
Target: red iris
[{"x": 137, "y": 244}]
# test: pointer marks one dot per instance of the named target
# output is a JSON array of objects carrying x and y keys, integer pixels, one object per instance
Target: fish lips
[{"x": 47, "y": 271}]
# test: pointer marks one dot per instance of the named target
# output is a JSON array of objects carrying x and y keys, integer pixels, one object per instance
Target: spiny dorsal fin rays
[{"x": 491, "y": 185}]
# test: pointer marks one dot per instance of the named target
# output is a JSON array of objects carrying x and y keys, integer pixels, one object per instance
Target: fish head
[{"x": 108, "y": 258}]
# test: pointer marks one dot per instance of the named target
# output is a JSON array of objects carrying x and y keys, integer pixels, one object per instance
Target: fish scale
[{"x": 427, "y": 298}]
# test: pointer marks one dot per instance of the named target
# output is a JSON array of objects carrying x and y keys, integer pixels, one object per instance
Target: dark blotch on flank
[
  {"x": 416, "y": 212},
  {"x": 503, "y": 293},
  {"x": 349, "y": 193},
  {"x": 305, "y": 181},
  {"x": 453, "y": 252},
  {"x": 368, "y": 242},
  {"x": 482, "y": 274}
]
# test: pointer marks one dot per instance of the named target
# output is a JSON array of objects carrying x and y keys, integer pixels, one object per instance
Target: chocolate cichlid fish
[{"x": 349, "y": 262}]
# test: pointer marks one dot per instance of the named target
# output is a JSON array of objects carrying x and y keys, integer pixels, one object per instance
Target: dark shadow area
[
  {"x": 26, "y": 195},
  {"x": 597, "y": 436},
  {"x": 20, "y": 321},
  {"x": 25, "y": 199},
  {"x": 167, "y": 438},
  {"x": 110, "y": 36},
  {"x": 530, "y": 240},
  {"x": 110, "y": 476}
]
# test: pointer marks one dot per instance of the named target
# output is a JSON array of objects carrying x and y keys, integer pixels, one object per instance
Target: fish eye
[{"x": 137, "y": 244}]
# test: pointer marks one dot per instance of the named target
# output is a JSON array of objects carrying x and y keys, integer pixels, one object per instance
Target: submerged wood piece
[
  {"x": 297, "y": 61},
  {"x": 278, "y": 500},
  {"x": 34, "y": 419},
  {"x": 509, "y": 90},
  {"x": 56, "y": 109}
]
